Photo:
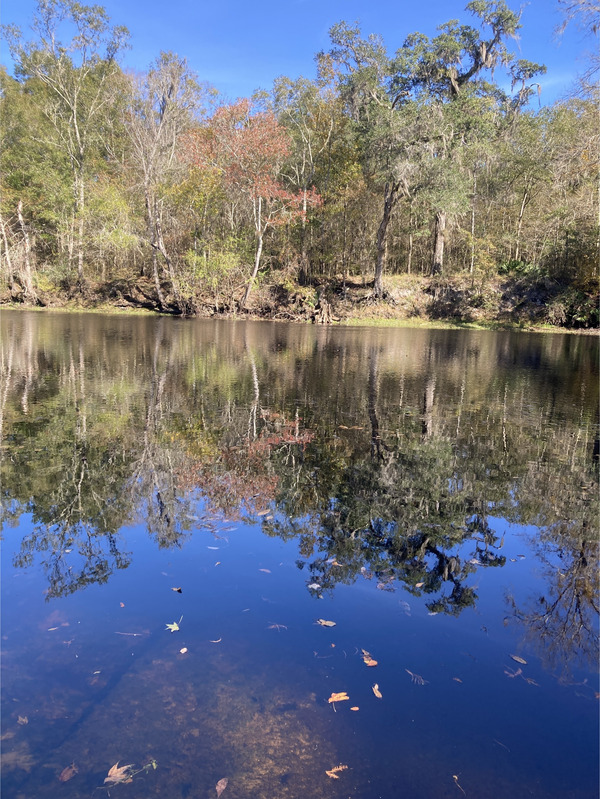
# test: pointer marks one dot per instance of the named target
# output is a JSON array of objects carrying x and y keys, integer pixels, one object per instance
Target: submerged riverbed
[{"x": 215, "y": 532}]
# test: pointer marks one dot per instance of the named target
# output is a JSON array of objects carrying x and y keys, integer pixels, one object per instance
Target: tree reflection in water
[{"x": 383, "y": 456}]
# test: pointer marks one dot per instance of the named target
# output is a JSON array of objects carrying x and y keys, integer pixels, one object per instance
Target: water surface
[{"x": 433, "y": 493}]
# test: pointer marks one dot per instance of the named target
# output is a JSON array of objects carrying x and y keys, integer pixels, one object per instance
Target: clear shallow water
[{"x": 433, "y": 493}]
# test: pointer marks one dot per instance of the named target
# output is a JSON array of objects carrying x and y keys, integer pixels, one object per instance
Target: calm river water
[{"x": 210, "y": 529}]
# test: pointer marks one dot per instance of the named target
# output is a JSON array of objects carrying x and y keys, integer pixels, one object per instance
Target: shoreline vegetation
[
  {"x": 410, "y": 301},
  {"x": 404, "y": 183}
]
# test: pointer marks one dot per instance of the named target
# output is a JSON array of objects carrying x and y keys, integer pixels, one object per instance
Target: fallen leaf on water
[
  {"x": 519, "y": 659},
  {"x": 118, "y": 774},
  {"x": 178, "y": 590},
  {"x": 333, "y": 773},
  {"x": 122, "y": 604},
  {"x": 183, "y": 651},
  {"x": 314, "y": 586},
  {"x": 266, "y": 571},
  {"x": 354, "y": 708},
  {"x": 218, "y": 641},
  {"x": 340, "y": 697},
  {"x": 212, "y": 547},
  {"x": 221, "y": 785},
  {"x": 174, "y": 626},
  {"x": 377, "y": 692},
  {"x": 457, "y": 679},
  {"x": 68, "y": 773},
  {"x": 419, "y": 585},
  {"x": 325, "y": 623},
  {"x": 52, "y": 628},
  {"x": 218, "y": 563},
  {"x": 22, "y": 720},
  {"x": 367, "y": 659}
]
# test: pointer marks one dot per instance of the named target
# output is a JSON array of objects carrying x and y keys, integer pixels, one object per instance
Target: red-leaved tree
[{"x": 249, "y": 150}]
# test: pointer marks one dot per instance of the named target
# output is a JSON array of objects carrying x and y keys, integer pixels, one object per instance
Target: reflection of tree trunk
[
  {"x": 373, "y": 392},
  {"x": 428, "y": 400},
  {"x": 6, "y": 373},
  {"x": 438, "y": 252},
  {"x": 252, "y": 421}
]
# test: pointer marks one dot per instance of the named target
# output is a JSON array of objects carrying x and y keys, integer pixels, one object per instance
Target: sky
[{"x": 239, "y": 46}]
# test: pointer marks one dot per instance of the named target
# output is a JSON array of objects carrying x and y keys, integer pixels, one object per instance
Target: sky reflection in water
[{"x": 435, "y": 490}]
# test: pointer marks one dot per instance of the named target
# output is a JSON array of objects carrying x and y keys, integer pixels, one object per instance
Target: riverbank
[{"x": 409, "y": 300}]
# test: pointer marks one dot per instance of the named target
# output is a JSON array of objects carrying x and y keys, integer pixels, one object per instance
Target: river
[{"x": 272, "y": 560}]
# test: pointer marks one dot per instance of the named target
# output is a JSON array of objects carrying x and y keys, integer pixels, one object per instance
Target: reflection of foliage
[
  {"x": 382, "y": 461},
  {"x": 96, "y": 556},
  {"x": 565, "y": 619}
]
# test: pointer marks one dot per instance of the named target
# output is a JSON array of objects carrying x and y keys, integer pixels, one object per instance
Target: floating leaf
[
  {"x": 457, "y": 679},
  {"x": 174, "y": 626},
  {"x": 221, "y": 785},
  {"x": 266, "y": 571},
  {"x": 355, "y": 707},
  {"x": 519, "y": 659},
  {"x": 216, "y": 641},
  {"x": 333, "y": 773},
  {"x": 68, "y": 773},
  {"x": 178, "y": 590},
  {"x": 22, "y": 720},
  {"x": 340, "y": 697},
  {"x": 368, "y": 660},
  {"x": 183, "y": 651},
  {"x": 122, "y": 604},
  {"x": 118, "y": 774},
  {"x": 419, "y": 585},
  {"x": 314, "y": 586},
  {"x": 325, "y": 623},
  {"x": 377, "y": 692}
]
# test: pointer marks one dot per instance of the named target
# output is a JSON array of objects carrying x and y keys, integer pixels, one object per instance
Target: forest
[{"x": 405, "y": 179}]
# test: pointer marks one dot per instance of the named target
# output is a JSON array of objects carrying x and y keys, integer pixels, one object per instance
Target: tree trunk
[
  {"x": 151, "y": 219},
  {"x": 524, "y": 203},
  {"x": 259, "y": 234},
  {"x": 163, "y": 250},
  {"x": 27, "y": 276},
  {"x": 80, "y": 204},
  {"x": 438, "y": 253},
  {"x": 390, "y": 194},
  {"x": 254, "y": 271}
]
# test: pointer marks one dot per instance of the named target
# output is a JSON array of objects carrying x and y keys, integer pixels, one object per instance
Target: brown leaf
[
  {"x": 377, "y": 692},
  {"x": 368, "y": 660},
  {"x": 325, "y": 623},
  {"x": 68, "y": 773},
  {"x": 118, "y": 774},
  {"x": 221, "y": 785},
  {"x": 333, "y": 773},
  {"x": 519, "y": 659},
  {"x": 338, "y": 697}
]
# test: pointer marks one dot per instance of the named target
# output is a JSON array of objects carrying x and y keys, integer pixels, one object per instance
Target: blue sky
[{"x": 239, "y": 45}]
